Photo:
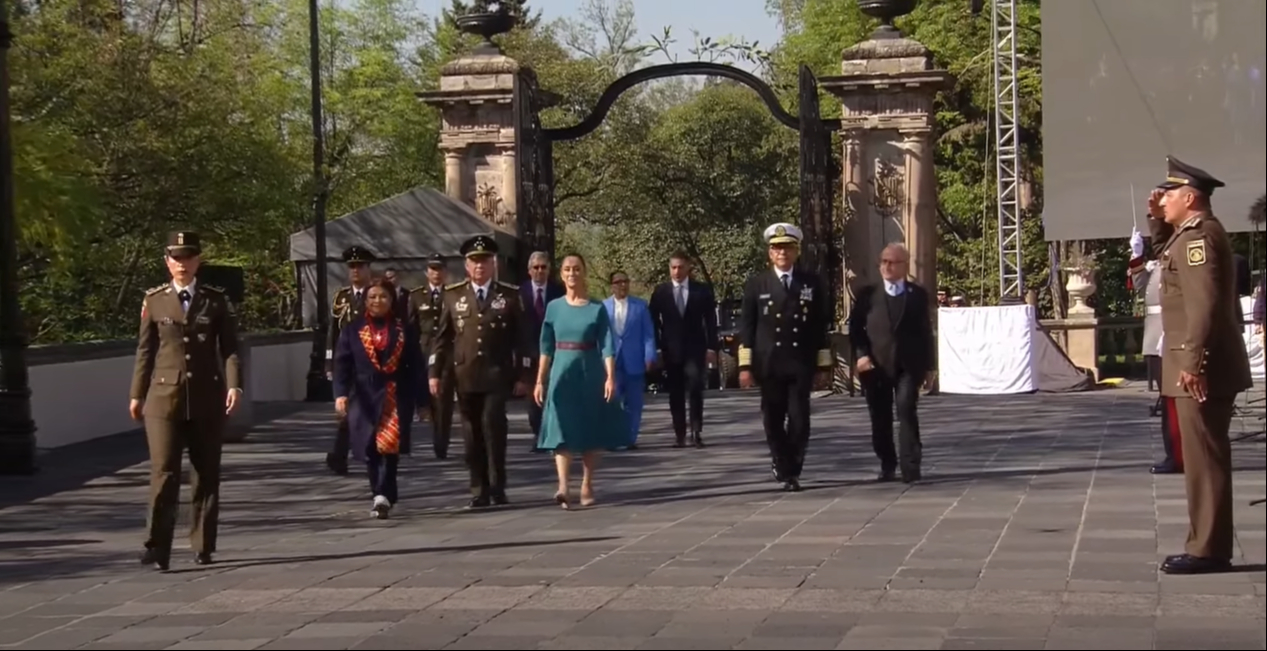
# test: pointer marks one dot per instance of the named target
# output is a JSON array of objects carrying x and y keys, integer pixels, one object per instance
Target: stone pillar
[
  {"x": 890, "y": 180},
  {"x": 477, "y": 133}
]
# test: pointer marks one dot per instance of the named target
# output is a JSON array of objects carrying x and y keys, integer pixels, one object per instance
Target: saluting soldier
[
  {"x": 347, "y": 305},
  {"x": 425, "y": 305},
  {"x": 185, "y": 384},
  {"x": 1204, "y": 363},
  {"x": 783, "y": 325},
  {"x": 482, "y": 338}
]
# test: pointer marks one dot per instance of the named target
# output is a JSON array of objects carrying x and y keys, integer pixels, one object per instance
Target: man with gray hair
[
  {"x": 891, "y": 331},
  {"x": 536, "y": 294}
]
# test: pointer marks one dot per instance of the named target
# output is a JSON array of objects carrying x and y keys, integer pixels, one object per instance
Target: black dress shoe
[
  {"x": 887, "y": 474},
  {"x": 1166, "y": 468},
  {"x": 792, "y": 486},
  {"x": 203, "y": 558},
  {"x": 336, "y": 465},
  {"x": 500, "y": 499},
  {"x": 911, "y": 476},
  {"x": 478, "y": 502},
  {"x": 697, "y": 440},
  {"x": 151, "y": 557},
  {"x": 1188, "y": 564}
]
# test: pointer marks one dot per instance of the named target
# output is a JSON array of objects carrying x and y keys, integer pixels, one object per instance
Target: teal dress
[{"x": 575, "y": 417}]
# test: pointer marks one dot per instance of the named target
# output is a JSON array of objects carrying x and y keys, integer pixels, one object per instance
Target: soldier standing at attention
[
  {"x": 347, "y": 306},
  {"x": 1204, "y": 364},
  {"x": 784, "y": 321},
  {"x": 185, "y": 384},
  {"x": 425, "y": 305},
  {"x": 482, "y": 337}
]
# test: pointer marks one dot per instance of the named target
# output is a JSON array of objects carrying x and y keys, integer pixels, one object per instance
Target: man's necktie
[
  {"x": 540, "y": 304},
  {"x": 787, "y": 282},
  {"x": 184, "y": 300},
  {"x": 681, "y": 299},
  {"x": 479, "y": 297}
]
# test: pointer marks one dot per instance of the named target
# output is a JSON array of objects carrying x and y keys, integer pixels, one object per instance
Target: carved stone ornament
[
  {"x": 487, "y": 203},
  {"x": 887, "y": 188}
]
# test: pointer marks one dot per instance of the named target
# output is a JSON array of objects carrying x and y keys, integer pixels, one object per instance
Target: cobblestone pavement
[{"x": 1037, "y": 526}]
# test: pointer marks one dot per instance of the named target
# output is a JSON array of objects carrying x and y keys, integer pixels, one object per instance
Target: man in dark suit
[
  {"x": 536, "y": 294},
  {"x": 783, "y": 328},
  {"x": 685, "y": 317},
  {"x": 891, "y": 330}
]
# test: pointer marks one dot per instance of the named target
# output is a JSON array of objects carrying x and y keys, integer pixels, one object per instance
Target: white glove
[{"x": 1137, "y": 243}]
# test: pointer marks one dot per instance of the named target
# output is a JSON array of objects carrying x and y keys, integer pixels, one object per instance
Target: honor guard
[
  {"x": 425, "y": 305},
  {"x": 185, "y": 384},
  {"x": 784, "y": 320},
  {"x": 481, "y": 336},
  {"x": 1204, "y": 363},
  {"x": 347, "y": 305}
]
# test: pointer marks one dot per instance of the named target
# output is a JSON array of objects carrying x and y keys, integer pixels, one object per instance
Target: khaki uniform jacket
[
  {"x": 483, "y": 344},
  {"x": 186, "y": 362},
  {"x": 1199, "y": 308},
  {"x": 424, "y": 312}
]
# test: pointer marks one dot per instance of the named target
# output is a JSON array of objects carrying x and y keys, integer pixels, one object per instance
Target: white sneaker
[{"x": 381, "y": 507}]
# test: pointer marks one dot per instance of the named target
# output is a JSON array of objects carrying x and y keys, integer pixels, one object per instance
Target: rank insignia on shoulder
[
  {"x": 214, "y": 288},
  {"x": 456, "y": 285},
  {"x": 1196, "y": 252},
  {"x": 154, "y": 290},
  {"x": 508, "y": 285}
]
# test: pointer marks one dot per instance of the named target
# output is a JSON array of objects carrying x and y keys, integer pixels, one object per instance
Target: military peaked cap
[
  {"x": 186, "y": 242},
  {"x": 1180, "y": 174},
  {"x": 357, "y": 253},
  {"x": 783, "y": 233},
  {"x": 479, "y": 245}
]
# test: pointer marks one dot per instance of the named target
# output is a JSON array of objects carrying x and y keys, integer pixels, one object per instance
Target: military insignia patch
[{"x": 1196, "y": 253}]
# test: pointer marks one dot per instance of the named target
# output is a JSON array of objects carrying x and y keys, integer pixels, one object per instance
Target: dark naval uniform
[
  {"x": 482, "y": 331},
  {"x": 1202, "y": 337},
  {"x": 425, "y": 306},
  {"x": 186, "y": 363},
  {"x": 784, "y": 321},
  {"x": 347, "y": 305}
]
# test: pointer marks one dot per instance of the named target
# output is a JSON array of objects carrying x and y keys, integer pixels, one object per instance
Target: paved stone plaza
[{"x": 1037, "y": 526}]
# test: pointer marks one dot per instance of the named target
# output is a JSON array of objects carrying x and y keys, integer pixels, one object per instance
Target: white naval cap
[{"x": 782, "y": 233}]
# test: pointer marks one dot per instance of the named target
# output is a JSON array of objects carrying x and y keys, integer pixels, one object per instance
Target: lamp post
[
  {"x": 318, "y": 386},
  {"x": 17, "y": 429}
]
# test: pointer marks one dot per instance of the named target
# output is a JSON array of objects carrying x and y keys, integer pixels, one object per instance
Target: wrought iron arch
[{"x": 691, "y": 68}]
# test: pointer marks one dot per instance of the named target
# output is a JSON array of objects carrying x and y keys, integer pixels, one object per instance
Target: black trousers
[
  {"x": 484, "y": 435},
  {"x": 381, "y": 471},
  {"x": 885, "y": 390},
  {"x": 685, "y": 380},
  {"x": 441, "y": 410},
  {"x": 785, "y": 412}
]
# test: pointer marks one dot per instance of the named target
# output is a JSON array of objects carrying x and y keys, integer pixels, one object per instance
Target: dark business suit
[
  {"x": 896, "y": 333},
  {"x": 685, "y": 337},
  {"x": 535, "y": 311}
]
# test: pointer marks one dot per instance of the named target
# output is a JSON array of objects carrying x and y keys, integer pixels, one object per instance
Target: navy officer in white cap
[{"x": 783, "y": 344}]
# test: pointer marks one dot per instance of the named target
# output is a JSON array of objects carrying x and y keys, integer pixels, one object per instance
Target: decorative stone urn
[
  {"x": 1081, "y": 286},
  {"x": 886, "y": 11}
]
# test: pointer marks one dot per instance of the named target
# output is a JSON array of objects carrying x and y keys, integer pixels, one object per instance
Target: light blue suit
[{"x": 635, "y": 349}]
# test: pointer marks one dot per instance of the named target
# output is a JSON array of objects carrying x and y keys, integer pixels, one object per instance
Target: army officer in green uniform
[
  {"x": 425, "y": 304},
  {"x": 1204, "y": 363},
  {"x": 185, "y": 384},
  {"x": 482, "y": 338}
]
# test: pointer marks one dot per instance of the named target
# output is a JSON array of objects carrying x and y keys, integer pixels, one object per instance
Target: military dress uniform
[
  {"x": 1145, "y": 278},
  {"x": 425, "y": 306},
  {"x": 783, "y": 332},
  {"x": 481, "y": 336},
  {"x": 1201, "y": 337},
  {"x": 347, "y": 305},
  {"x": 186, "y": 363}
]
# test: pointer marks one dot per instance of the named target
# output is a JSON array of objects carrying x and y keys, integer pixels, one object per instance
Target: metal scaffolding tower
[{"x": 1007, "y": 151}]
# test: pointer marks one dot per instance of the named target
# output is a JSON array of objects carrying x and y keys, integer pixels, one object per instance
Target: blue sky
[{"x": 716, "y": 18}]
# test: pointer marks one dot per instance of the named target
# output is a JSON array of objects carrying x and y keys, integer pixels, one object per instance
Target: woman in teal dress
[{"x": 576, "y": 383}]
